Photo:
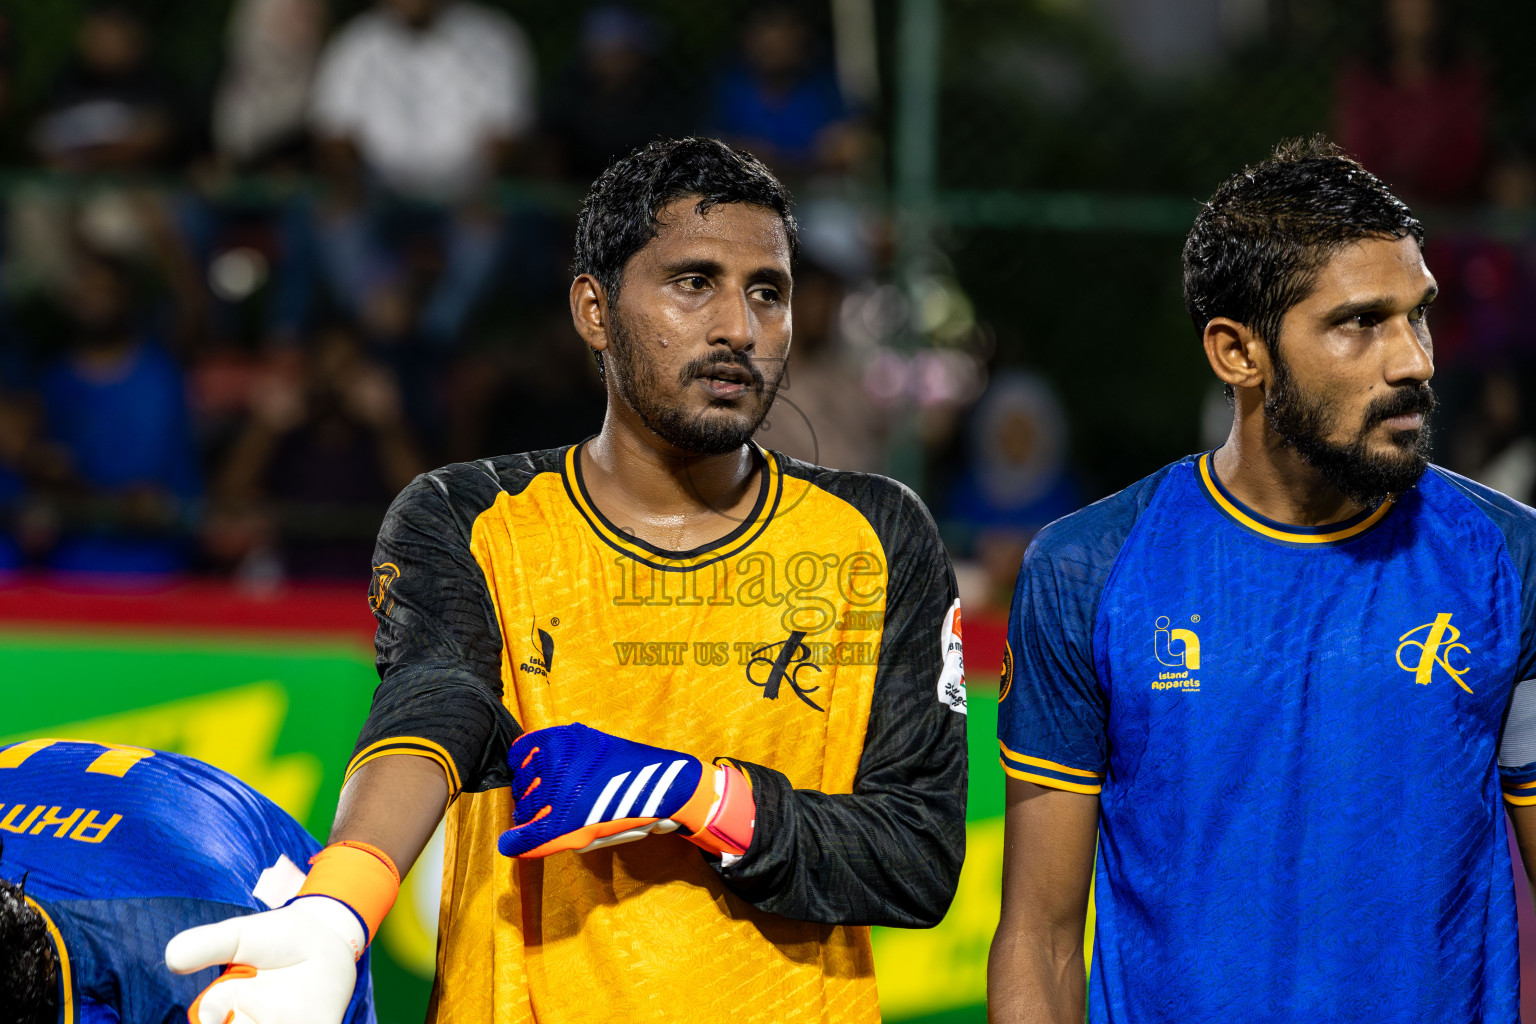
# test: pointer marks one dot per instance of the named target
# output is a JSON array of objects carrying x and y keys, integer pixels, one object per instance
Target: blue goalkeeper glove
[{"x": 575, "y": 788}]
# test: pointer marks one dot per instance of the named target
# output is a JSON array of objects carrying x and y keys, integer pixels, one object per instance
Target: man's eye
[
  {"x": 767, "y": 294},
  {"x": 694, "y": 282},
  {"x": 1420, "y": 313},
  {"x": 1365, "y": 320}
]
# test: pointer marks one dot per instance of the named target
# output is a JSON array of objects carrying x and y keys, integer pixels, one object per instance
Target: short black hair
[
  {"x": 1258, "y": 245},
  {"x": 29, "y": 965},
  {"x": 618, "y": 217}
]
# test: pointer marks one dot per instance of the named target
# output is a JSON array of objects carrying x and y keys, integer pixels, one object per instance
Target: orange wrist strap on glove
[
  {"x": 721, "y": 817},
  {"x": 358, "y": 875}
]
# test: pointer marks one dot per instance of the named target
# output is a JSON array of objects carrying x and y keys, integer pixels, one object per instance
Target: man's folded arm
[{"x": 888, "y": 853}]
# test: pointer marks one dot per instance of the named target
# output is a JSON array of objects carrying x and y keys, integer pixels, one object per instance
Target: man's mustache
[
  {"x": 1404, "y": 401},
  {"x": 708, "y": 365}
]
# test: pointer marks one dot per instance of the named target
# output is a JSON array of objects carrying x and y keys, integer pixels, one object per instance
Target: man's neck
[
  {"x": 669, "y": 498},
  {"x": 1268, "y": 476}
]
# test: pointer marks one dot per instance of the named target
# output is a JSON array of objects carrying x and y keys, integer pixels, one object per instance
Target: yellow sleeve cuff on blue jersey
[
  {"x": 1521, "y": 794},
  {"x": 1049, "y": 773}
]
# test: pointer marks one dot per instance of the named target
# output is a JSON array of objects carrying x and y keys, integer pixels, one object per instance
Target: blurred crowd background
[{"x": 262, "y": 261}]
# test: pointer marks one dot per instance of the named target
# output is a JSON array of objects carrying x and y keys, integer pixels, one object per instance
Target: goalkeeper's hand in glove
[
  {"x": 296, "y": 964},
  {"x": 575, "y": 788}
]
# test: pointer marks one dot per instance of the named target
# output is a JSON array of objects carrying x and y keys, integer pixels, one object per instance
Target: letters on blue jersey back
[
  {"x": 123, "y": 847},
  {"x": 92, "y": 820}
]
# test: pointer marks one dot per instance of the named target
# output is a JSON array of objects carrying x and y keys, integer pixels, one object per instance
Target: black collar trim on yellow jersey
[
  {"x": 1328, "y": 533},
  {"x": 769, "y": 494}
]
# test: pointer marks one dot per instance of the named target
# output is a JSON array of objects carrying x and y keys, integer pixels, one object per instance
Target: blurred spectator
[
  {"x": 18, "y": 427},
  {"x": 614, "y": 98},
  {"x": 1171, "y": 39},
  {"x": 1495, "y": 445},
  {"x": 120, "y": 459},
  {"x": 823, "y": 414},
  {"x": 782, "y": 101},
  {"x": 109, "y": 111},
  {"x": 1017, "y": 480},
  {"x": 1416, "y": 114},
  {"x": 426, "y": 94},
  {"x": 7, "y": 56},
  {"x": 1486, "y": 268},
  {"x": 324, "y": 451},
  {"x": 420, "y": 101},
  {"x": 263, "y": 101},
  {"x": 539, "y": 393}
]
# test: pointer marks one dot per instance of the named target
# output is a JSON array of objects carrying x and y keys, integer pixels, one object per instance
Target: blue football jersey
[
  {"x": 1295, "y": 735},
  {"x": 122, "y": 848}
]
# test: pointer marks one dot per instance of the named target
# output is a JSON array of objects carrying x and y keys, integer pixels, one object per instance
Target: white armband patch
[
  {"x": 1517, "y": 747},
  {"x": 952, "y": 661}
]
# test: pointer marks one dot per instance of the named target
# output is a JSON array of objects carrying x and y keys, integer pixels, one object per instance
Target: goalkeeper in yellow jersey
[{"x": 695, "y": 710}]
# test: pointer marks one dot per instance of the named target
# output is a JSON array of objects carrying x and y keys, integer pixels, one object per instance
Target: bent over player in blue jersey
[
  {"x": 1281, "y": 684},
  {"x": 110, "y": 851}
]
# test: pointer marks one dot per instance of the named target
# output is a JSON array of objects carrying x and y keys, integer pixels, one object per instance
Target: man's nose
[
  {"x": 1411, "y": 357},
  {"x": 734, "y": 324}
]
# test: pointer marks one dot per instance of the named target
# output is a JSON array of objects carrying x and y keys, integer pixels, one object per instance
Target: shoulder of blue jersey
[{"x": 1095, "y": 533}]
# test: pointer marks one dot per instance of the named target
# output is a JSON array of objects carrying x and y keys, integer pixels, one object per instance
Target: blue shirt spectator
[
  {"x": 781, "y": 103},
  {"x": 128, "y": 427},
  {"x": 790, "y": 122},
  {"x": 117, "y": 415}
]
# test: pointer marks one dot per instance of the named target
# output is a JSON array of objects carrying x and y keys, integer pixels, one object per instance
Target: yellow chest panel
[
  {"x": 767, "y": 655},
  {"x": 763, "y": 649}
]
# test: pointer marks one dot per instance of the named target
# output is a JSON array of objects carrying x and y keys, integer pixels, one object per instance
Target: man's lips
[
  {"x": 726, "y": 381},
  {"x": 1404, "y": 421}
]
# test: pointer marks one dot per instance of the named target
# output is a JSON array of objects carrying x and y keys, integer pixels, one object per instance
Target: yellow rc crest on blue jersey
[{"x": 1439, "y": 642}]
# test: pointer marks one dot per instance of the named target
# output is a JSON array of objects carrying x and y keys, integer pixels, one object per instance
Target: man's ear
[
  {"x": 589, "y": 311},
  {"x": 1237, "y": 356}
]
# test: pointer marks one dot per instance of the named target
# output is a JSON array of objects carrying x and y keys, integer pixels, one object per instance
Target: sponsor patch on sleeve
[{"x": 952, "y": 672}]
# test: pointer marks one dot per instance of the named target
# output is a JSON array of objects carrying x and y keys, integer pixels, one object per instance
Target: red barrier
[{"x": 196, "y": 606}]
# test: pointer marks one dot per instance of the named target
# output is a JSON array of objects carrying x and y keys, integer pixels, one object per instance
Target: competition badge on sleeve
[{"x": 952, "y": 674}]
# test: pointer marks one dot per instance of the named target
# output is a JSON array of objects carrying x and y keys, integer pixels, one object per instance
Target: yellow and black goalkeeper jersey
[{"x": 817, "y": 644}]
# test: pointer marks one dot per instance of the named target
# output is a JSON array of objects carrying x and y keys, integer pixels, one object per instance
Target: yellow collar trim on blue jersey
[
  {"x": 66, "y": 984},
  {"x": 769, "y": 494},
  {"x": 1329, "y": 534}
]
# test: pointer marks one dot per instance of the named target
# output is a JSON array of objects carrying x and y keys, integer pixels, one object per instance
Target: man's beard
[
  {"x": 1359, "y": 473},
  {"x": 639, "y": 385}
]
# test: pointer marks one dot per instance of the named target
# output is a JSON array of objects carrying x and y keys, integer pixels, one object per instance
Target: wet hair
[
  {"x": 29, "y": 965},
  {"x": 618, "y": 217},
  {"x": 1258, "y": 245}
]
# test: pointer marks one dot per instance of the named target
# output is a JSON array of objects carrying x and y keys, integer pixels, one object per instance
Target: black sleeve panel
[
  {"x": 890, "y": 852},
  {"x": 438, "y": 641}
]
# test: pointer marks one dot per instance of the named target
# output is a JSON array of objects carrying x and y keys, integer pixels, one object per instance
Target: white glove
[{"x": 304, "y": 957}]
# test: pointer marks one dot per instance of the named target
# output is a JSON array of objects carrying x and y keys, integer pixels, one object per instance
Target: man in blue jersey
[
  {"x": 110, "y": 851},
  {"x": 1279, "y": 685}
]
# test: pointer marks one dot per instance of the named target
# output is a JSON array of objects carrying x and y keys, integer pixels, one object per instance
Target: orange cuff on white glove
[{"x": 359, "y": 875}]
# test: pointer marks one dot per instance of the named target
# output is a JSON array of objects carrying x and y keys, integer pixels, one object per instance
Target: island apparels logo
[
  {"x": 1181, "y": 662},
  {"x": 543, "y": 663}
]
